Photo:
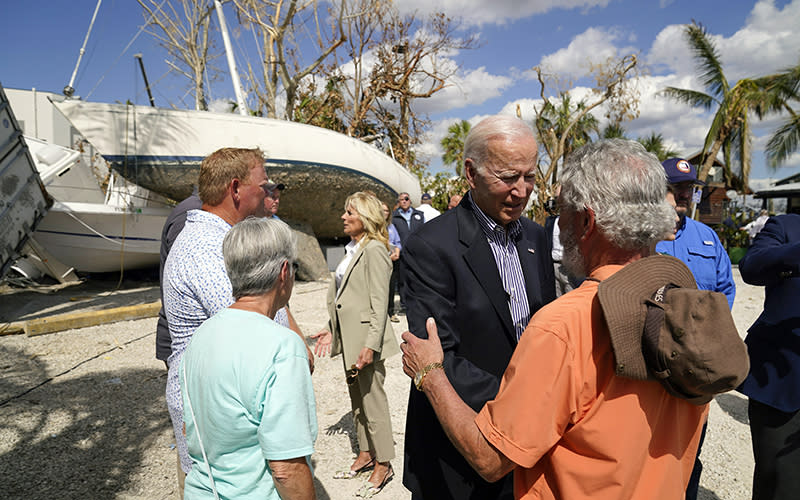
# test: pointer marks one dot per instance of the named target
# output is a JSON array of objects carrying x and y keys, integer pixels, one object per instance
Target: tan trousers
[{"x": 371, "y": 412}]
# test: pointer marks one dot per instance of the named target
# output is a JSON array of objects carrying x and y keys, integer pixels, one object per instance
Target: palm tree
[
  {"x": 614, "y": 131},
  {"x": 730, "y": 128},
  {"x": 453, "y": 144},
  {"x": 784, "y": 141},
  {"x": 654, "y": 143},
  {"x": 565, "y": 121}
]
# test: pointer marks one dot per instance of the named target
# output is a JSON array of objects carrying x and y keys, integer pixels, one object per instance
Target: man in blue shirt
[{"x": 698, "y": 246}]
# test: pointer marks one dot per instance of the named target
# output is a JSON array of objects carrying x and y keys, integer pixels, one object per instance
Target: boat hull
[
  {"x": 161, "y": 150},
  {"x": 95, "y": 238}
]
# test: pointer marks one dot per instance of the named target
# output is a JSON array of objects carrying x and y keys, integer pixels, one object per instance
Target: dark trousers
[
  {"x": 776, "y": 450},
  {"x": 694, "y": 480},
  {"x": 393, "y": 285}
]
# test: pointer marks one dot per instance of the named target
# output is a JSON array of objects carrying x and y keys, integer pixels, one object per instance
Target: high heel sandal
[
  {"x": 352, "y": 474},
  {"x": 369, "y": 490}
]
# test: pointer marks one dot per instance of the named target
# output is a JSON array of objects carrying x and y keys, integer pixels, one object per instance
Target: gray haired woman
[{"x": 250, "y": 413}]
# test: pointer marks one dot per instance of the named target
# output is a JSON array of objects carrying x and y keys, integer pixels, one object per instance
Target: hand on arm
[
  {"x": 456, "y": 417},
  {"x": 293, "y": 479}
]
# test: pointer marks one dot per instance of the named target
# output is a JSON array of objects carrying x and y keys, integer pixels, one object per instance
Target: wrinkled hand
[
  {"x": 419, "y": 353},
  {"x": 364, "y": 357},
  {"x": 323, "y": 346}
]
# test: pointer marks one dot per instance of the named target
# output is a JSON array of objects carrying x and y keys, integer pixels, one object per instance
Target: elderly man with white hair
[{"x": 567, "y": 419}]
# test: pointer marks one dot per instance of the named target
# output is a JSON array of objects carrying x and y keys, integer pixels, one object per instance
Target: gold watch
[{"x": 419, "y": 377}]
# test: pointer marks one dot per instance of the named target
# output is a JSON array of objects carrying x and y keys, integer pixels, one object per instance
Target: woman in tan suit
[{"x": 359, "y": 329}]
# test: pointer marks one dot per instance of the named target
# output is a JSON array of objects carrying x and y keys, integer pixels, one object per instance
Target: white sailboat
[{"x": 161, "y": 150}]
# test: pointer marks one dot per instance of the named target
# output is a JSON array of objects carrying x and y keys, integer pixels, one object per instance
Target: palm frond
[
  {"x": 784, "y": 141},
  {"x": 693, "y": 98},
  {"x": 707, "y": 58}
]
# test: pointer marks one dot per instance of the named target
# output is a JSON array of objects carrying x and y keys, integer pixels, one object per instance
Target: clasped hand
[{"x": 419, "y": 353}]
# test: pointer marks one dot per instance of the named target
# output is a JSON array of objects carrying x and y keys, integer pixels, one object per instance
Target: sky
[{"x": 754, "y": 38}]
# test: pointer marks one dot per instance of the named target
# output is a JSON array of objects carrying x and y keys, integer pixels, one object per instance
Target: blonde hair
[
  {"x": 370, "y": 212},
  {"x": 221, "y": 167}
]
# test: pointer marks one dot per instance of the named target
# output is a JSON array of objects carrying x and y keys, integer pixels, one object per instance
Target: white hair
[{"x": 254, "y": 251}]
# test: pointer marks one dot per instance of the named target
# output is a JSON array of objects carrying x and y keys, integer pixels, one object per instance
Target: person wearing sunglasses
[
  {"x": 359, "y": 330},
  {"x": 250, "y": 411}
]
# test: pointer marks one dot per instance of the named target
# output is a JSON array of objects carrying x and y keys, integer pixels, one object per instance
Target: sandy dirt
[{"x": 83, "y": 412}]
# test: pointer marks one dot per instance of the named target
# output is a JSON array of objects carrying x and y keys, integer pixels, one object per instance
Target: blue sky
[{"x": 41, "y": 44}]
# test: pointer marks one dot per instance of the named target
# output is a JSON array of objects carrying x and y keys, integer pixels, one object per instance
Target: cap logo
[{"x": 684, "y": 166}]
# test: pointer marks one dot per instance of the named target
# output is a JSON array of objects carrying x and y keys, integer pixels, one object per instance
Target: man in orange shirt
[{"x": 566, "y": 420}]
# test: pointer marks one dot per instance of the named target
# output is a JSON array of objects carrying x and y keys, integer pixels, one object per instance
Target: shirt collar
[{"x": 490, "y": 227}]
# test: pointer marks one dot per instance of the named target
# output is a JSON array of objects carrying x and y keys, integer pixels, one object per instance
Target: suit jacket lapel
[
  {"x": 349, "y": 269},
  {"x": 480, "y": 260}
]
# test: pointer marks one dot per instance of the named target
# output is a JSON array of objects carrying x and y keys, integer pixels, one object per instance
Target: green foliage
[
  {"x": 453, "y": 145},
  {"x": 730, "y": 234},
  {"x": 441, "y": 186},
  {"x": 654, "y": 143}
]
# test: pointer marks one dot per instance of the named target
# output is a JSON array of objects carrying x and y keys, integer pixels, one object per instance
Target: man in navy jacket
[{"x": 773, "y": 343}]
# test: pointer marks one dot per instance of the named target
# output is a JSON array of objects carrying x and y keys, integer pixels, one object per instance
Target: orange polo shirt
[{"x": 574, "y": 428}]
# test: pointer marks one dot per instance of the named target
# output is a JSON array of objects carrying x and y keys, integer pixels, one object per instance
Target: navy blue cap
[
  {"x": 426, "y": 196},
  {"x": 679, "y": 170}
]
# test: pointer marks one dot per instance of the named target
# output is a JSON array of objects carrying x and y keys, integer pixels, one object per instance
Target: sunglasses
[
  {"x": 405, "y": 198},
  {"x": 351, "y": 375}
]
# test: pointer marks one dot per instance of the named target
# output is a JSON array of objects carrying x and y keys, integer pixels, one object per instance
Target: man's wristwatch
[{"x": 419, "y": 377}]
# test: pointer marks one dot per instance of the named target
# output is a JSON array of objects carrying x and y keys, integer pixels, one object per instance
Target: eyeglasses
[{"x": 351, "y": 375}]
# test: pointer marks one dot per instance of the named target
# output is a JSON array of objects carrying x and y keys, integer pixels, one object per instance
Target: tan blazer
[{"x": 358, "y": 316}]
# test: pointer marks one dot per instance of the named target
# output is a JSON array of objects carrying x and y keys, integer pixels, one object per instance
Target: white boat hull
[
  {"x": 94, "y": 237},
  {"x": 161, "y": 150}
]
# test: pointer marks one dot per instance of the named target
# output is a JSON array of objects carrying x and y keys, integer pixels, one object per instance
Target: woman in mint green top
[{"x": 249, "y": 407}]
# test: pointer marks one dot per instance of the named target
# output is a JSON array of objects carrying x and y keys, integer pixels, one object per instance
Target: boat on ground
[{"x": 161, "y": 150}]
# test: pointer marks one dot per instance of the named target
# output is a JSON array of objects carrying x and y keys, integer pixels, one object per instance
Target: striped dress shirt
[{"x": 502, "y": 242}]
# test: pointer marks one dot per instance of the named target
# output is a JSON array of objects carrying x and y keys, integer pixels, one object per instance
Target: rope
[
  {"x": 141, "y": 29},
  {"x": 50, "y": 379}
]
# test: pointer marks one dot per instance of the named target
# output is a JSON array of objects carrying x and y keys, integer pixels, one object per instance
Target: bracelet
[{"x": 419, "y": 377}]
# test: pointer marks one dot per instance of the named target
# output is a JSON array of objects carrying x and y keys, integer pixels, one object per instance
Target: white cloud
[
  {"x": 468, "y": 89},
  {"x": 482, "y": 12},
  {"x": 594, "y": 45}
]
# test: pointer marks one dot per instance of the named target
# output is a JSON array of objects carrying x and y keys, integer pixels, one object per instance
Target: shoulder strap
[{"x": 199, "y": 438}]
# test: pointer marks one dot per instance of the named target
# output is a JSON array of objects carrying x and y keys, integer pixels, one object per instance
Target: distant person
[
  {"x": 454, "y": 201},
  {"x": 482, "y": 270},
  {"x": 567, "y": 420},
  {"x": 232, "y": 186},
  {"x": 699, "y": 247},
  {"x": 276, "y": 199},
  {"x": 172, "y": 228},
  {"x": 405, "y": 219},
  {"x": 773, "y": 343},
  {"x": 359, "y": 330},
  {"x": 250, "y": 413},
  {"x": 756, "y": 225},
  {"x": 394, "y": 253},
  {"x": 426, "y": 208}
]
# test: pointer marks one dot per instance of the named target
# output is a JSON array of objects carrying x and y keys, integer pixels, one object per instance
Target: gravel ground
[{"x": 84, "y": 416}]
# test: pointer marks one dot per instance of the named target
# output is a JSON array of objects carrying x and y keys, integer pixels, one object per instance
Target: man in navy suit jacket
[
  {"x": 472, "y": 288},
  {"x": 773, "y": 343}
]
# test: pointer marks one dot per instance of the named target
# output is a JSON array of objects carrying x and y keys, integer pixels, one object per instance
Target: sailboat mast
[
  {"x": 69, "y": 89},
  {"x": 237, "y": 85}
]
